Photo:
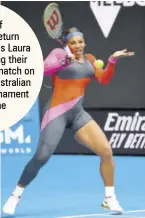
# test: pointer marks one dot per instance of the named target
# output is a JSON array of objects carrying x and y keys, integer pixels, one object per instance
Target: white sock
[
  {"x": 18, "y": 191},
  {"x": 109, "y": 191}
]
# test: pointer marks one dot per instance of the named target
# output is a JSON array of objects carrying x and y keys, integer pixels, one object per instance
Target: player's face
[{"x": 76, "y": 45}]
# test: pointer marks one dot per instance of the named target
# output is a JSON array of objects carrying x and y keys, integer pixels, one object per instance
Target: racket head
[{"x": 53, "y": 22}]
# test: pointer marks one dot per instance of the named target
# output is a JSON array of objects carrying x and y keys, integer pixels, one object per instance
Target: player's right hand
[{"x": 71, "y": 58}]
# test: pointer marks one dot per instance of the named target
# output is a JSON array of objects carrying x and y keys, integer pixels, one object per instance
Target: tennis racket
[{"x": 54, "y": 25}]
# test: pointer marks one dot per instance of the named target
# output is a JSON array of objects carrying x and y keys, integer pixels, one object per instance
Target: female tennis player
[{"x": 64, "y": 110}]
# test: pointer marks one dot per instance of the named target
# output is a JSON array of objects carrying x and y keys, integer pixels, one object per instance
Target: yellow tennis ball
[{"x": 99, "y": 63}]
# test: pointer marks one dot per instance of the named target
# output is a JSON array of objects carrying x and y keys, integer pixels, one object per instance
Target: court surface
[{"x": 70, "y": 187}]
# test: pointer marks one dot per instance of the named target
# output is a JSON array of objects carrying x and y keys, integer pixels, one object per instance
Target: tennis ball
[{"x": 99, "y": 63}]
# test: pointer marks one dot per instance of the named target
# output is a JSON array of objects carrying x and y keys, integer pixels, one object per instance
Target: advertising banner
[
  {"x": 125, "y": 130},
  {"x": 22, "y": 138}
]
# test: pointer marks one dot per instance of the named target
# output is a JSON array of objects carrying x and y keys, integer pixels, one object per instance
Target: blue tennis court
[{"x": 70, "y": 186}]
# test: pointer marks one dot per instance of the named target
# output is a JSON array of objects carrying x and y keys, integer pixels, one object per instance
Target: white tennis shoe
[
  {"x": 11, "y": 204},
  {"x": 112, "y": 204}
]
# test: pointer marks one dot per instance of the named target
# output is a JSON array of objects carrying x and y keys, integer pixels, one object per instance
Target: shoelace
[{"x": 113, "y": 199}]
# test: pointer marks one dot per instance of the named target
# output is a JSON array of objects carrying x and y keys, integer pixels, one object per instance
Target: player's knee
[
  {"x": 41, "y": 159},
  {"x": 44, "y": 153},
  {"x": 107, "y": 153}
]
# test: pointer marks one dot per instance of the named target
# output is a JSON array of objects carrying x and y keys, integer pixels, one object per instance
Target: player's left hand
[{"x": 123, "y": 53}]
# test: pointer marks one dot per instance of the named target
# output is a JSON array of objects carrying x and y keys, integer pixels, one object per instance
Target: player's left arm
[{"x": 105, "y": 75}]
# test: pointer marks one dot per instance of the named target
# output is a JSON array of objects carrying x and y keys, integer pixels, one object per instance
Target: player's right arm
[{"x": 55, "y": 61}]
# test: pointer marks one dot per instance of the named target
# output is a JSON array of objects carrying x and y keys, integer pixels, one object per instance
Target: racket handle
[{"x": 66, "y": 48}]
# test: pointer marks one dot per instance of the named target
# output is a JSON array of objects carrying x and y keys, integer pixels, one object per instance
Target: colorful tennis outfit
[{"x": 64, "y": 108}]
